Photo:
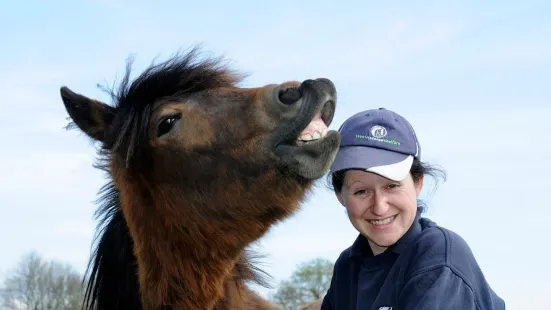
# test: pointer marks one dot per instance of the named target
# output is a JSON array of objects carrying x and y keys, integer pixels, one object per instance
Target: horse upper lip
[{"x": 318, "y": 97}]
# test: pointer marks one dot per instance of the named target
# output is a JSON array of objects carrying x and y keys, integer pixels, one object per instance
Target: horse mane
[
  {"x": 112, "y": 281},
  {"x": 112, "y": 269}
]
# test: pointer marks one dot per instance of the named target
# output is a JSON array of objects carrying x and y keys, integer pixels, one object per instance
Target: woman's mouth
[{"x": 382, "y": 223}]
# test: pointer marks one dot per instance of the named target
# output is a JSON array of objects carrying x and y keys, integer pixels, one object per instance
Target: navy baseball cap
[{"x": 379, "y": 141}]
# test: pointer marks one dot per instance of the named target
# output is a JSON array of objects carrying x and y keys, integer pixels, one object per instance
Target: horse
[{"x": 198, "y": 169}]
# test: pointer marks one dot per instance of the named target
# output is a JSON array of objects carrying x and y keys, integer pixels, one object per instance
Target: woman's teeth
[{"x": 383, "y": 221}]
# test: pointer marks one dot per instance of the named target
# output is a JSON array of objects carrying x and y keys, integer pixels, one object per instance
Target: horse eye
[{"x": 166, "y": 125}]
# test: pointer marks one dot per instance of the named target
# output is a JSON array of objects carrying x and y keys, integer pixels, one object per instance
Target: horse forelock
[{"x": 183, "y": 73}]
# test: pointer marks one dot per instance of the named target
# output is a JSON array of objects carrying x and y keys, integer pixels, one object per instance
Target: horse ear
[{"x": 90, "y": 116}]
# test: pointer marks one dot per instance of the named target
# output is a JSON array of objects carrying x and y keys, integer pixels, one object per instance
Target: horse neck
[
  {"x": 176, "y": 269},
  {"x": 170, "y": 275},
  {"x": 187, "y": 262}
]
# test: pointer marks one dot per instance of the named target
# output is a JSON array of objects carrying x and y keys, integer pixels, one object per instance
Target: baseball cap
[{"x": 379, "y": 141}]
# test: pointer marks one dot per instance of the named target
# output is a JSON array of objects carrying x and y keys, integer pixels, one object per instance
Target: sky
[{"x": 472, "y": 77}]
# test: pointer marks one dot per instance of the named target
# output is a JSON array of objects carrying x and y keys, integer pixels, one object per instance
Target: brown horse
[{"x": 199, "y": 169}]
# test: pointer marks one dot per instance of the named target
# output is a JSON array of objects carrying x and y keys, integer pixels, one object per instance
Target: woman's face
[{"x": 380, "y": 209}]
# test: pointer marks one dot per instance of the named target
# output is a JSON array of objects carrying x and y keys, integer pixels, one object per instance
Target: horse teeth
[
  {"x": 305, "y": 137},
  {"x": 314, "y": 136}
]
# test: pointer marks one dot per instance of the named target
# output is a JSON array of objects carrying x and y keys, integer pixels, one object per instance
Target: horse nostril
[{"x": 289, "y": 95}]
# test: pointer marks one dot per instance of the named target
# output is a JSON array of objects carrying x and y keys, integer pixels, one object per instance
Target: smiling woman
[{"x": 399, "y": 260}]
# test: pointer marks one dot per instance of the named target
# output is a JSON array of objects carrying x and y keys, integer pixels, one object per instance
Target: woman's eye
[
  {"x": 360, "y": 192},
  {"x": 166, "y": 125}
]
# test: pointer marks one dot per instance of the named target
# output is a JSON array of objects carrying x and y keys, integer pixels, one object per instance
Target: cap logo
[{"x": 378, "y": 131}]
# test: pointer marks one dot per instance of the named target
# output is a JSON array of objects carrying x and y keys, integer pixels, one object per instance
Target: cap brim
[{"x": 391, "y": 165}]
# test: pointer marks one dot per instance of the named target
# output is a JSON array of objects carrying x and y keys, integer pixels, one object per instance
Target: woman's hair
[{"x": 418, "y": 170}]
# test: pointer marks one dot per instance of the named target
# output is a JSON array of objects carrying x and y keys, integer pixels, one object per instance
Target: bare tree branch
[
  {"x": 309, "y": 282},
  {"x": 36, "y": 284}
]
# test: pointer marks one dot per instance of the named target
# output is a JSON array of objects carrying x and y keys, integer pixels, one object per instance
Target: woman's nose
[{"x": 380, "y": 206}]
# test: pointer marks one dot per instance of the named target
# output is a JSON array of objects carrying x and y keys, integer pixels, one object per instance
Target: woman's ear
[
  {"x": 340, "y": 198},
  {"x": 339, "y": 191},
  {"x": 419, "y": 185}
]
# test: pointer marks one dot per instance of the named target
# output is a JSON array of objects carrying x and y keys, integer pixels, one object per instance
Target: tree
[
  {"x": 309, "y": 282},
  {"x": 36, "y": 284}
]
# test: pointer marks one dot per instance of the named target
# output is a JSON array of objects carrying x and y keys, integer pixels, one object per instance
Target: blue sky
[{"x": 473, "y": 79}]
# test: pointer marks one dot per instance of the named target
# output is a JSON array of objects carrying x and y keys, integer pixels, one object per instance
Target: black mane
[
  {"x": 112, "y": 281},
  {"x": 183, "y": 73},
  {"x": 113, "y": 272}
]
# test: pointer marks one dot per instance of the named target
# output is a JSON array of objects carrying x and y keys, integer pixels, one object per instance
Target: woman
[{"x": 400, "y": 260}]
